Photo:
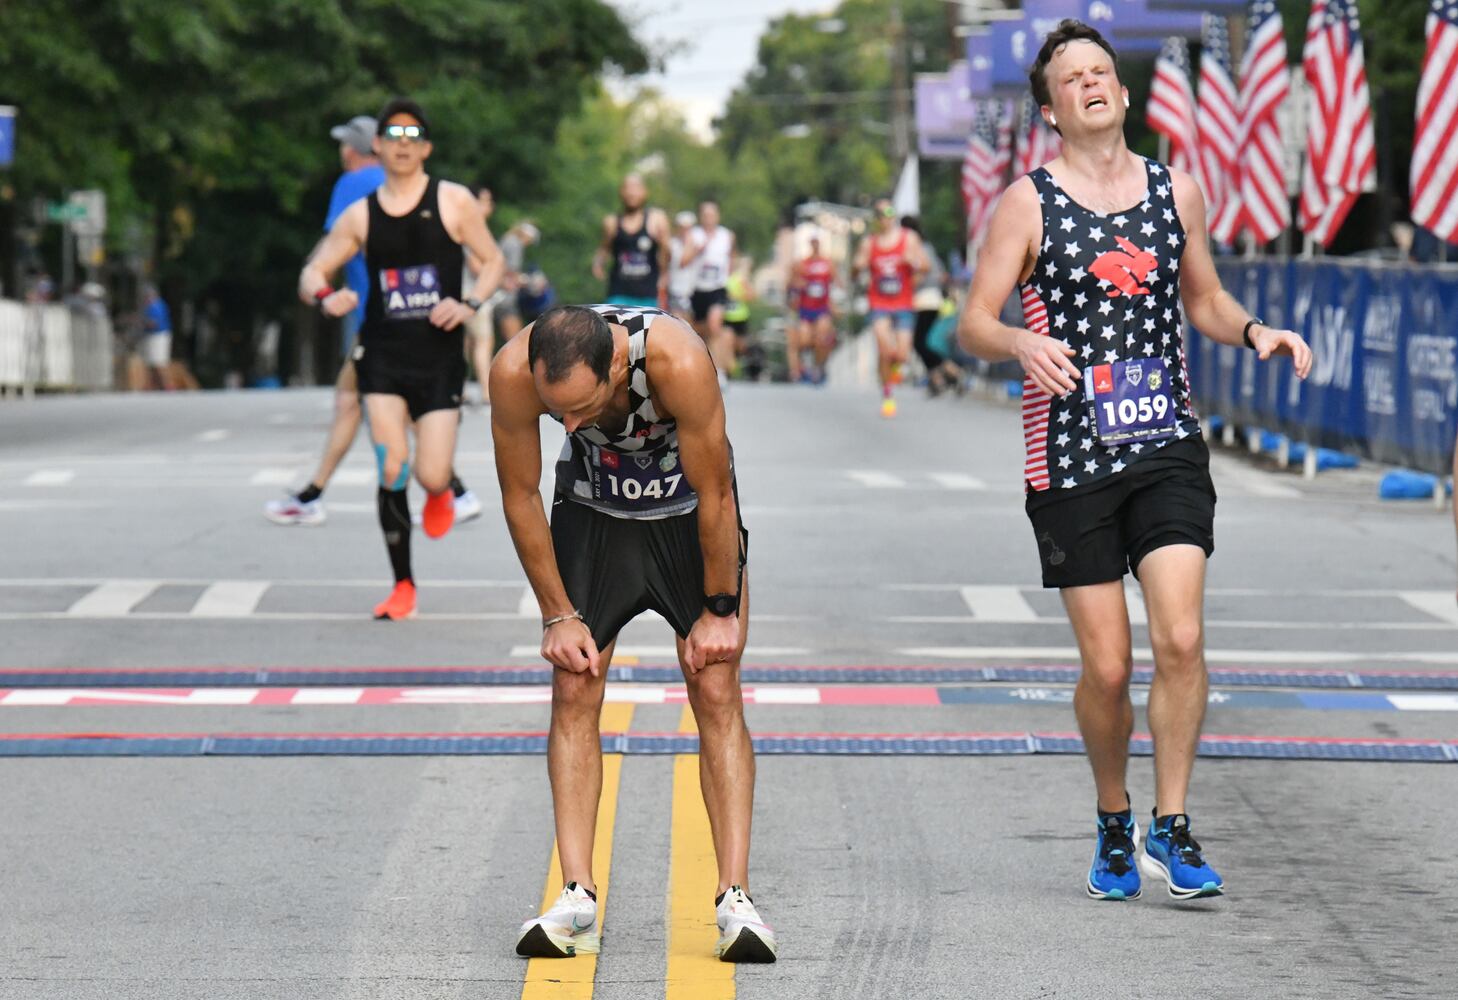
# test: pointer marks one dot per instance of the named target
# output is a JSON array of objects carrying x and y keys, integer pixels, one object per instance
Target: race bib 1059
[{"x": 1130, "y": 401}]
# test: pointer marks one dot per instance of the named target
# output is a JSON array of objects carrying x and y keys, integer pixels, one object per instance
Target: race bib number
[
  {"x": 409, "y": 292},
  {"x": 634, "y": 265},
  {"x": 636, "y": 481},
  {"x": 1130, "y": 401},
  {"x": 889, "y": 285},
  {"x": 815, "y": 290},
  {"x": 710, "y": 273}
]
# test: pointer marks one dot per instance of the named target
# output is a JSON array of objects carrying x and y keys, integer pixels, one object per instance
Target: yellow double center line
[{"x": 694, "y": 973}]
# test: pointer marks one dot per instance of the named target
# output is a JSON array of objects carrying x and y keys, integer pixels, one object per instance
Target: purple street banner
[
  {"x": 979, "y": 64},
  {"x": 1227, "y": 7},
  {"x": 944, "y": 113},
  {"x": 1132, "y": 19}
]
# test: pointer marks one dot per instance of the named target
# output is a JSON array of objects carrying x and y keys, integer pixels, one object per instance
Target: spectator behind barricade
[
  {"x": 535, "y": 296},
  {"x": 156, "y": 346},
  {"x": 514, "y": 243}
]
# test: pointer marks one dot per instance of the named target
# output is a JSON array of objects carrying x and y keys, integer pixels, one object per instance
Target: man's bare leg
[
  {"x": 726, "y": 756},
  {"x": 574, "y": 765},
  {"x": 1100, "y": 621},
  {"x": 1173, "y": 578},
  {"x": 345, "y": 428}
]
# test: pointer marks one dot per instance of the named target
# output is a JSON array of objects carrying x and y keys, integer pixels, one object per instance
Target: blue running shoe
[
  {"x": 1172, "y": 854},
  {"x": 1113, "y": 874}
]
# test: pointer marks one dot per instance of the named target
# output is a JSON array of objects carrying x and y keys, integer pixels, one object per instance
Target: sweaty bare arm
[
  {"x": 516, "y": 412},
  {"x": 916, "y": 254},
  {"x": 1007, "y": 257},
  {"x": 472, "y": 233},
  {"x": 343, "y": 241},
  {"x": 1208, "y": 306},
  {"x": 684, "y": 378}
]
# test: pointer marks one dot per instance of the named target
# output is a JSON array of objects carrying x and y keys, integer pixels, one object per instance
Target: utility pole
[{"x": 900, "y": 89}]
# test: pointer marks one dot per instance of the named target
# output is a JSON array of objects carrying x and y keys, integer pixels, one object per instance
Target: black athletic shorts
[
  {"x": 1097, "y": 533},
  {"x": 424, "y": 390},
  {"x": 702, "y": 302},
  {"x": 615, "y": 568}
]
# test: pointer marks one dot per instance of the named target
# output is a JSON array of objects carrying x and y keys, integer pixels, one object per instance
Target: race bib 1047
[
  {"x": 1130, "y": 401},
  {"x": 409, "y": 292},
  {"x": 636, "y": 481}
]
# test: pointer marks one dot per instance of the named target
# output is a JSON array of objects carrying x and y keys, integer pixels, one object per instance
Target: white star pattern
[
  {"x": 1155, "y": 169},
  {"x": 1064, "y": 417},
  {"x": 1060, "y": 201},
  {"x": 1109, "y": 333},
  {"x": 1077, "y": 275},
  {"x": 1162, "y": 190},
  {"x": 1067, "y": 224},
  {"x": 1105, "y": 307},
  {"x": 1096, "y": 234},
  {"x": 1087, "y": 351},
  {"x": 1080, "y": 298},
  {"x": 1083, "y": 324},
  {"x": 1136, "y": 447},
  {"x": 1069, "y": 484},
  {"x": 1149, "y": 324},
  {"x": 1052, "y": 269},
  {"x": 1172, "y": 240},
  {"x": 1119, "y": 220},
  {"x": 1090, "y": 466},
  {"x": 1063, "y": 440},
  {"x": 1168, "y": 215},
  {"x": 1118, "y": 466},
  {"x": 1071, "y": 250},
  {"x": 1111, "y": 356},
  {"x": 1059, "y": 320},
  {"x": 1147, "y": 229},
  {"x": 1056, "y": 296},
  {"x": 1064, "y": 462},
  {"x": 1047, "y": 243}
]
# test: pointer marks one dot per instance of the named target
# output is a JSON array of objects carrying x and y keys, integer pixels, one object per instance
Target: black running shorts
[
  {"x": 1097, "y": 533},
  {"x": 615, "y": 568},
  {"x": 424, "y": 390},
  {"x": 703, "y": 302}
]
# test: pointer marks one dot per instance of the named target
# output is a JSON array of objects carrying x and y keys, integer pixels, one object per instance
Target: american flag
[
  {"x": 1218, "y": 116},
  {"x": 1341, "y": 154},
  {"x": 1036, "y": 142},
  {"x": 984, "y": 167},
  {"x": 1435, "y": 146},
  {"x": 1259, "y": 202},
  {"x": 1171, "y": 108}
]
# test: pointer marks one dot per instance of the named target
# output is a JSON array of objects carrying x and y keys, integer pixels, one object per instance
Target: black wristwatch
[
  {"x": 721, "y": 605},
  {"x": 475, "y": 304},
  {"x": 1245, "y": 332}
]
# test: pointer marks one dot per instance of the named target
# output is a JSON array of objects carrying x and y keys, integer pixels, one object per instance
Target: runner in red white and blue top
[
  {"x": 1111, "y": 255},
  {"x": 810, "y": 288}
]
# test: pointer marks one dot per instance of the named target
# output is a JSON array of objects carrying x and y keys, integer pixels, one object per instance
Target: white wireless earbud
[
  {"x": 1126, "y": 100},
  {"x": 1052, "y": 120}
]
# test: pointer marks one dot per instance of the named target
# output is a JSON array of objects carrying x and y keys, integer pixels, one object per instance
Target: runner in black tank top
[
  {"x": 633, "y": 255},
  {"x": 1108, "y": 248},
  {"x": 409, "y": 361}
]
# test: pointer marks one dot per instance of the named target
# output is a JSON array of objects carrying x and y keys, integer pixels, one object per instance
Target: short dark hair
[
  {"x": 1068, "y": 30},
  {"x": 564, "y": 337},
  {"x": 911, "y": 222},
  {"x": 401, "y": 106}
]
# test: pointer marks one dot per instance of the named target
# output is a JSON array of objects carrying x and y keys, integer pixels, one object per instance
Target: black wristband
[
  {"x": 721, "y": 605},
  {"x": 1245, "y": 332},
  {"x": 475, "y": 304}
]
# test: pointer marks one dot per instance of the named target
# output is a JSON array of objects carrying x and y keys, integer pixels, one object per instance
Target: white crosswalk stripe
[
  {"x": 230, "y": 599},
  {"x": 50, "y": 477},
  {"x": 113, "y": 599},
  {"x": 958, "y": 481},
  {"x": 876, "y": 480}
]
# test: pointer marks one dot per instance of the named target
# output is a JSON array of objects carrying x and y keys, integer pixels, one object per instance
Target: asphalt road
[{"x": 134, "y": 540}]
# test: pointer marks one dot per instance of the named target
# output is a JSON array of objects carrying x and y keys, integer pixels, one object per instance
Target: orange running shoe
[
  {"x": 888, "y": 407},
  {"x": 897, "y": 375},
  {"x": 399, "y": 605},
  {"x": 439, "y": 513}
]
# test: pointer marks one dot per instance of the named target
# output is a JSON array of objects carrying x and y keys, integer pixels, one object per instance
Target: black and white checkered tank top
[{"x": 634, "y": 473}]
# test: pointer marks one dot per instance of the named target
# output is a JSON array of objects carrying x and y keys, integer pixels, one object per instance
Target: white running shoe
[
  {"x": 292, "y": 511},
  {"x": 569, "y": 928},
  {"x": 743, "y": 936},
  {"x": 468, "y": 507}
]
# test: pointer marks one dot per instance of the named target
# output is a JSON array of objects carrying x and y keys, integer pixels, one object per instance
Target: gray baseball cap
[{"x": 358, "y": 133}]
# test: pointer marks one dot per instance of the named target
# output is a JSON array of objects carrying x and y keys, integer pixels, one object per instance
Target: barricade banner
[{"x": 1384, "y": 381}]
